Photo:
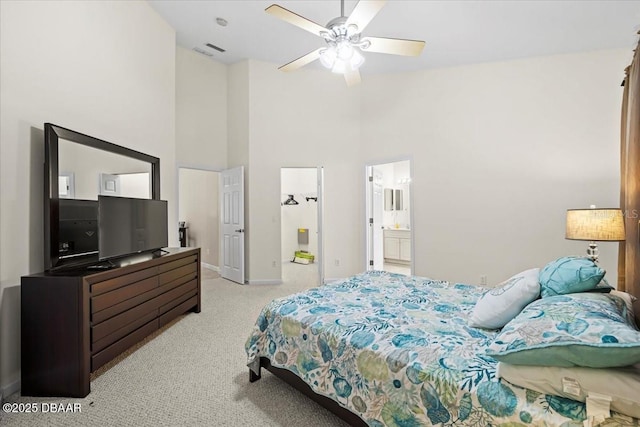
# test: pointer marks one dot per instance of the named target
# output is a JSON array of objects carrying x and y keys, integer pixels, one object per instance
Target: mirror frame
[{"x": 52, "y": 134}]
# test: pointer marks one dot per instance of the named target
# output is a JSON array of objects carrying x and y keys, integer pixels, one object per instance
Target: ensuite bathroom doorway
[
  {"x": 301, "y": 225},
  {"x": 388, "y": 217}
]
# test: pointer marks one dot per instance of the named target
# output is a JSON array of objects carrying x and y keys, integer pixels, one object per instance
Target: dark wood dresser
[{"x": 75, "y": 322}]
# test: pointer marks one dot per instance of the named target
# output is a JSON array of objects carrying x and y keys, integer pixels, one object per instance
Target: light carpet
[{"x": 194, "y": 372}]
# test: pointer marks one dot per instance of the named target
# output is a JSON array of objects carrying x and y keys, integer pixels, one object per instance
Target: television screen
[
  {"x": 78, "y": 232},
  {"x": 127, "y": 225}
]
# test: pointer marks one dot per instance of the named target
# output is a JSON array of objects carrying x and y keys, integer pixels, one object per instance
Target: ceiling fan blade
[
  {"x": 295, "y": 19},
  {"x": 302, "y": 61},
  {"x": 352, "y": 78},
  {"x": 394, "y": 46},
  {"x": 364, "y": 12}
]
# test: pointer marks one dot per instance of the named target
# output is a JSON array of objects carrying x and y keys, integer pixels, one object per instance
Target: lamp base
[{"x": 592, "y": 252}]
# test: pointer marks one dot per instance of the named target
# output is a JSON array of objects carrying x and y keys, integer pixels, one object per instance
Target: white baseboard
[
  {"x": 9, "y": 389},
  {"x": 210, "y": 267},
  {"x": 264, "y": 282}
]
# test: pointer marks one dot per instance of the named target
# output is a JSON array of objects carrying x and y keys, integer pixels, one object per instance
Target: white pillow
[
  {"x": 621, "y": 384},
  {"x": 498, "y": 306}
]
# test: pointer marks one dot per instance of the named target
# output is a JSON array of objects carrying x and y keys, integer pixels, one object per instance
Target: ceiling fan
[{"x": 345, "y": 43}]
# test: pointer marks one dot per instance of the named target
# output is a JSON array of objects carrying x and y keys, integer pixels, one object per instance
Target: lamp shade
[{"x": 598, "y": 225}]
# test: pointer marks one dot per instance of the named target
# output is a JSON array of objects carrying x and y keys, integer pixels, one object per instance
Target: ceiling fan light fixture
[
  {"x": 339, "y": 67},
  {"x": 352, "y": 30},
  {"x": 357, "y": 59},
  {"x": 328, "y": 57},
  {"x": 344, "y": 50},
  {"x": 342, "y": 66}
]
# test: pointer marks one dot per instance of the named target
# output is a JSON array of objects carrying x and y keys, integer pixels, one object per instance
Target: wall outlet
[
  {"x": 273, "y": 263},
  {"x": 337, "y": 262},
  {"x": 483, "y": 280}
]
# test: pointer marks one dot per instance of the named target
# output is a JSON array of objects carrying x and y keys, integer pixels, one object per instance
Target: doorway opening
[
  {"x": 301, "y": 202},
  {"x": 389, "y": 217},
  {"x": 198, "y": 215}
]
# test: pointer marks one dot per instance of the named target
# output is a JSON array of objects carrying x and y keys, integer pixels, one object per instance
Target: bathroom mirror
[
  {"x": 388, "y": 199},
  {"x": 397, "y": 200}
]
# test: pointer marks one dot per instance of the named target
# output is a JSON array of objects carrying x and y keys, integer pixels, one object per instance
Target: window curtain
[{"x": 629, "y": 253}]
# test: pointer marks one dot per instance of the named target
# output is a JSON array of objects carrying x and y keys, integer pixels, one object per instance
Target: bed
[{"x": 383, "y": 349}]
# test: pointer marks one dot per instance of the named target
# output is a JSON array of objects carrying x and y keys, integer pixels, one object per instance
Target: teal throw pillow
[
  {"x": 585, "y": 329},
  {"x": 568, "y": 275}
]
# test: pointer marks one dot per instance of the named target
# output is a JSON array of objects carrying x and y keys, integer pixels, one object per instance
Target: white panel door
[
  {"x": 378, "y": 210},
  {"x": 375, "y": 207},
  {"x": 320, "y": 194},
  {"x": 232, "y": 224}
]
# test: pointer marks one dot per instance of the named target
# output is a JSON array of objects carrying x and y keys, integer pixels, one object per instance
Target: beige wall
[
  {"x": 106, "y": 69},
  {"x": 304, "y": 119},
  {"x": 198, "y": 201},
  {"x": 201, "y": 143},
  {"x": 500, "y": 151},
  {"x": 201, "y": 111},
  {"x": 238, "y": 137}
]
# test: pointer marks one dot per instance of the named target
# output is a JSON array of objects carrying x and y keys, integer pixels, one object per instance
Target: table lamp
[{"x": 595, "y": 225}]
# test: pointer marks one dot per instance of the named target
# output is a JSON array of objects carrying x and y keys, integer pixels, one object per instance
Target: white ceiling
[{"x": 456, "y": 32}]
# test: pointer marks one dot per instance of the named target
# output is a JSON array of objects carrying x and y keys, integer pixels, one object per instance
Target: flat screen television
[
  {"x": 128, "y": 226},
  {"x": 78, "y": 228}
]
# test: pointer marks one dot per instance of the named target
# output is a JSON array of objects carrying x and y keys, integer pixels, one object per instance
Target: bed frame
[{"x": 294, "y": 381}]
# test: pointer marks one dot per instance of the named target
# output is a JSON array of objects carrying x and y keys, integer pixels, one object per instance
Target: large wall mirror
[{"x": 78, "y": 168}]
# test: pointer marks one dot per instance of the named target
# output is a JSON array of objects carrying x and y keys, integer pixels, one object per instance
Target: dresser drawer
[
  {"x": 178, "y": 282},
  {"x": 102, "y": 315},
  {"x": 124, "y": 280},
  {"x": 102, "y": 357},
  {"x": 119, "y": 333},
  {"x": 109, "y": 331},
  {"x": 114, "y": 310},
  {"x": 101, "y": 330},
  {"x": 175, "y": 296},
  {"x": 121, "y": 294},
  {"x": 177, "y": 263},
  {"x": 177, "y": 311},
  {"x": 178, "y": 272}
]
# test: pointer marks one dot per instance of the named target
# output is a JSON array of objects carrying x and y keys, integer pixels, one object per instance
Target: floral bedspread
[{"x": 397, "y": 351}]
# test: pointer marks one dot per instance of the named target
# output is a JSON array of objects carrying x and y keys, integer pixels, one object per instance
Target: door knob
[{"x": 241, "y": 230}]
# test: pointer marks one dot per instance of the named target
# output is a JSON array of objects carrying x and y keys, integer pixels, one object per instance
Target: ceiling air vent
[
  {"x": 219, "y": 49},
  {"x": 197, "y": 49}
]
